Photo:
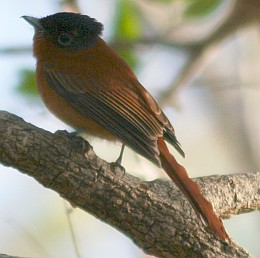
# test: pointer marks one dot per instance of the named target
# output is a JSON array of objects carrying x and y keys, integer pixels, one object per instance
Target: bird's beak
[{"x": 33, "y": 21}]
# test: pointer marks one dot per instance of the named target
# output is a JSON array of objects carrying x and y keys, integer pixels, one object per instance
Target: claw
[{"x": 115, "y": 165}]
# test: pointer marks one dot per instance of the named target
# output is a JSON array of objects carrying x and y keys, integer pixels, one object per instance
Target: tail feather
[{"x": 179, "y": 176}]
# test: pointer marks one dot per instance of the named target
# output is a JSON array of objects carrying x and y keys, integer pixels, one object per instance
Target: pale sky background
[{"x": 32, "y": 218}]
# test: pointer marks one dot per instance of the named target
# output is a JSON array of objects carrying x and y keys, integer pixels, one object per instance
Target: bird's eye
[{"x": 65, "y": 39}]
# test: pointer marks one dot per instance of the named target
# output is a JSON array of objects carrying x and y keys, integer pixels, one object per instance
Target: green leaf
[
  {"x": 162, "y": 1},
  {"x": 27, "y": 84},
  {"x": 200, "y": 8},
  {"x": 127, "y": 26},
  {"x": 128, "y": 20}
]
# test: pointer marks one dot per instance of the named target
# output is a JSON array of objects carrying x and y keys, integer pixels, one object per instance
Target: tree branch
[
  {"x": 155, "y": 215},
  {"x": 8, "y": 256},
  {"x": 244, "y": 13}
]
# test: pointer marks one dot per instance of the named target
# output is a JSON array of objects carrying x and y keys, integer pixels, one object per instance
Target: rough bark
[{"x": 155, "y": 215}]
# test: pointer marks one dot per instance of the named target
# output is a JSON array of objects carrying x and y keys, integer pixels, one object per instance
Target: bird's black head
[{"x": 70, "y": 31}]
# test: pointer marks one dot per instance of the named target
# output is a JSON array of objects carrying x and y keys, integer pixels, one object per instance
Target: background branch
[
  {"x": 243, "y": 14},
  {"x": 9, "y": 256},
  {"x": 155, "y": 215}
]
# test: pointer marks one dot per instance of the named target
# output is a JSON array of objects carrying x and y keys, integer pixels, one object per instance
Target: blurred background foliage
[{"x": 201, "y": 60}]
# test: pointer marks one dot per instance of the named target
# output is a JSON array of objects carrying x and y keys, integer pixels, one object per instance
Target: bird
[{"x": 87, "y": 85}]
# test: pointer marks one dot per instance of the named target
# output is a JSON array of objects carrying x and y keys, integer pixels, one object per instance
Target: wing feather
[{"x": 116, "y": 110}]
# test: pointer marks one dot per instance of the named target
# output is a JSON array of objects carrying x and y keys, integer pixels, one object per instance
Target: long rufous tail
[{"x": 179, "y": 176}]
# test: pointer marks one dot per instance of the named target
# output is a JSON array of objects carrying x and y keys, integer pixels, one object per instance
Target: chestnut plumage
[{"x": 87, "y": 85}]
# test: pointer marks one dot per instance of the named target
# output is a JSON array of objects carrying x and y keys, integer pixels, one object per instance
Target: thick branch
[{"x": 155, "y": 215}]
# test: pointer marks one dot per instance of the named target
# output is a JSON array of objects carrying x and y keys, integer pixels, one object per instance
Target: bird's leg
[
  {"x": 118, "y": 162},
  {"x": 119, "y": 159}
]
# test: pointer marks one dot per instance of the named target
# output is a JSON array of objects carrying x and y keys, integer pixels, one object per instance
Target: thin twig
[{"x": 68, "y": 211}]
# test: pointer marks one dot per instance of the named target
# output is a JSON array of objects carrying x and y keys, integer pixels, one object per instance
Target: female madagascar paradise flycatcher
[{"x": 88, "y": 86}]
